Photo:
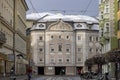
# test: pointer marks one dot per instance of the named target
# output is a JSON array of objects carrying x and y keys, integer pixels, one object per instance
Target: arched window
[{"x": 41, "y": 25}]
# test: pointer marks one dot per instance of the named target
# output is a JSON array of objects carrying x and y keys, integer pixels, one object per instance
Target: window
[
  {"x": 107, "y": 27},
  {"x": 97, "y": 39},
  {"x": 40, "y": 49},
  {"x": 79, "y": 59},
  {"x": 79, "y": 25},
  {"x": 91, "y": 38},
  {"x": 67, "y": 37},
  {"x": 40, "y": 37},
  {"x": 60, "y": 37},
  {"x": 90, "y": 26},
  {"x": 60, "y": 47},
  {"x": 97, "y": 50},
  {"x": 101, "y": 15},
  {"x": 52, "y": 50},
  {"x": 41, "y": 25},
  {"x": 79, "y": 37},
  {"x": 51, "y": 37},
  {"x": 41, "y": 59},
  {"x": 67, "y": 50},
  {"x": 91, "y": 50},
  {"x": 67, "y": 60},
  {"x": 102, "y": 32},
  {"x": 106, "y": 8},
  {"x": 52, "y": 60},
  {"x": 79, "y": 49},
  {"x": 59, "y": 60},
  {"x": 119, "y": 4}
]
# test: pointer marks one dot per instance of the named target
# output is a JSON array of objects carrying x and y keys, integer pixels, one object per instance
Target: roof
[{"x": 57, "y": 16}]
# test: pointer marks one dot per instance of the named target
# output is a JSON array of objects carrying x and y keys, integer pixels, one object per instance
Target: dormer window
[
  {"x": 79, "y": 25},
  {"x": 41, "y": 25}
]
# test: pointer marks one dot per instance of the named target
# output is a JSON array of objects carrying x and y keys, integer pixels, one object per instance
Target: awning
[{"x": 3, "y": 56}]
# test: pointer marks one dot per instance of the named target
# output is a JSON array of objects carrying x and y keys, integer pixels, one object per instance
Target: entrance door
[
  {"x": 40, "y": 70},
  {"x": 79, "y": 70},
  {"x": 60, "y": 70}
]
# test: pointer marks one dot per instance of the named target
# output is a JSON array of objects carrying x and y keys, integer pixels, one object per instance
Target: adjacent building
[
  {"x": 108, "y": 25},
  {"x": 60, "y": 44},
  {"x": 13, "y": 36}
]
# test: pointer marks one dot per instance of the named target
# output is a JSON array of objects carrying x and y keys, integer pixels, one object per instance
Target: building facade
[
  {"x": 60, "y": 46},
  {"x": 108, "y": 25},
  {"x": 13, "y": 35}
]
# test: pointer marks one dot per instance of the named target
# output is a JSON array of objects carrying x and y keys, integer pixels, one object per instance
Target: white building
[{"x": 60, "y": 44}]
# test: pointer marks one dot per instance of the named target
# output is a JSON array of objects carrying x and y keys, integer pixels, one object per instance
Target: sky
[{"x": 79, "y": 7}]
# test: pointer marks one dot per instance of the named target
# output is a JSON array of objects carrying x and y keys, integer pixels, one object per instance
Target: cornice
[{"x": 6, "y": 23}]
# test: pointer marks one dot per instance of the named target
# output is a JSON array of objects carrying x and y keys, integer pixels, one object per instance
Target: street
[
  {"x": 45, "y": 78},
  {"x": 57, "y": 78}
]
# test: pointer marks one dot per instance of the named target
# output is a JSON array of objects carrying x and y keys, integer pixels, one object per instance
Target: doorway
[
  {"x": 79, "y": 70},
  {"x": 60, "y": 70},
  {"x": 40, "y": 70}
]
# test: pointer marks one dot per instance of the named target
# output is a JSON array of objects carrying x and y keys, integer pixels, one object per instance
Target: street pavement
[
  {"x": 57, "y": 78},
  {"x": 24, "y": 77}
]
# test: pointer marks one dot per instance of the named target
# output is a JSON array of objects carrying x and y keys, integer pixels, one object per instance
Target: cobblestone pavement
[
  {"x": 23, "y": 77},
  {"x": 57, "y": 78}
]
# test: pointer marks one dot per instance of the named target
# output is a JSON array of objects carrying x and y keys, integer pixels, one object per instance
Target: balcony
[{"x": 2, "y": 38}]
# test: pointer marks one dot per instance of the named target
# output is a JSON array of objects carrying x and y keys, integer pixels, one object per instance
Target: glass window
[
  {"x": 67, "y": 50},
  {"x": 60, "y": 37},
  {"x": 79, "y": 49},
  {"x": 119, "y": 4},
  {"x": 97, "y": 50},
  {"x": 68, "y": 60},
  {"x": 60, "y": 47},
  {"x": 91, "y": 38},
  {"x": 52, "y": 50},
  {"x": 67, "y": 37},
  {"x": 91, "y": 50},
  {"x": 52, "y": 60},
  {"x": 41, "y": 25},
  {"x": 41, "y": 49},
  {"x": 79, "y": 25},
  {"x": 59, "y": 60},
  {"x": 79, "y": 37},
  {"x": 41, "y": 59},
  {"x": 40, "y": 37},
  {"x": 79, "y": 59},
  {"x": 107, "y": 27},
  {"x": 52, "y": 37},
  {"x": 97, "y": 38},
  {"x": 106, "y": 8}
]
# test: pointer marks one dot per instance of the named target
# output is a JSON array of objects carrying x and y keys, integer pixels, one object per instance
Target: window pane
[{"x": 40, "y": 38}]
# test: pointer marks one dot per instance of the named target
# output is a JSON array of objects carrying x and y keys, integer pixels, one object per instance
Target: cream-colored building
[
  {"x": 60, "y": 44},
  {"x": 13, "y": 26}
]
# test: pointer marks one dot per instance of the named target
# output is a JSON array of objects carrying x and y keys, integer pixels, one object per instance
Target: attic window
[
  {"x": 79, "y": 25},
  {"x": 41, "y": 25}
]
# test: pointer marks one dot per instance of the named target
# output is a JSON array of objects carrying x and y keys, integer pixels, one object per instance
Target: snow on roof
[{"x": 57, "y": 16}]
